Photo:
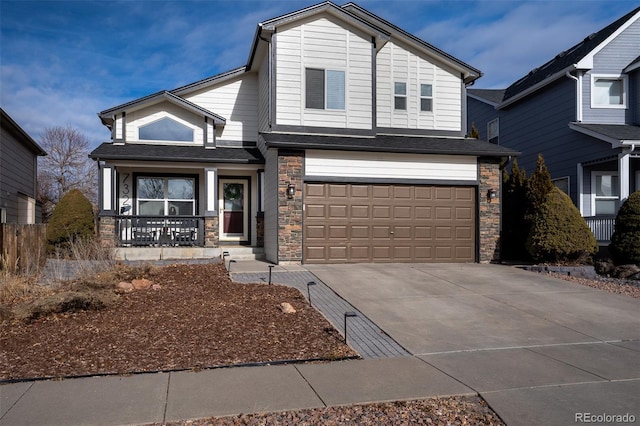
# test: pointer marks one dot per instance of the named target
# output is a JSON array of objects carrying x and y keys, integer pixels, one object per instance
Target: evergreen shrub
[{"x": 625, "y": 242}]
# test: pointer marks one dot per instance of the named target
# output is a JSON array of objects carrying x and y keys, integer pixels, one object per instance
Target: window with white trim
[
  {"x": 605, "y": 193},
  {"x": 609, "y": 91},
  {"x": 166, "y": 196},
  {"x": 324, "y": 89},
  {"x": 400, "y": 95},
  {"x": 493, "y": 131},
  {"x": 426, "y": 97},
  {"x": 562, "y": 184}
]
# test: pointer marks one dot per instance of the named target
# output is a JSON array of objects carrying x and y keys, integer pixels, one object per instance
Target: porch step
[{"x": 243, "y": 253}]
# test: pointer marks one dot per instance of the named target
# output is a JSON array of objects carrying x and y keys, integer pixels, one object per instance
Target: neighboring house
[
  {"x": 341, "y": 140},
  {"x": 18, "y": 173},
  {"x": 581, "y": 110}
]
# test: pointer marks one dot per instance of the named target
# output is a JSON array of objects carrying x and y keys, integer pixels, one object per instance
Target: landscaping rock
[
  {"x": 124, "y": 286},
  {"x": 626, "y": 271},
  {"x": 156, "y": 287},
  {"x": 141, "y": 284},
  {"x": 287, "y": 308}
]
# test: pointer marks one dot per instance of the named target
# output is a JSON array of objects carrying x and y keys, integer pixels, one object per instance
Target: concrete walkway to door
[{"x": 538, "y": 349}]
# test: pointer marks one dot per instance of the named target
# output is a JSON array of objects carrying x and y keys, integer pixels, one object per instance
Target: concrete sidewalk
[{"x": 165, "y": 397}]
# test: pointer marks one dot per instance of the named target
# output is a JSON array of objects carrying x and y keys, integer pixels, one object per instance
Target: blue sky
[{"x": 61, "y": 62}]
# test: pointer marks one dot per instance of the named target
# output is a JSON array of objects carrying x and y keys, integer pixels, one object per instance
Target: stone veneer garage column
[
  {"x": 211, "y": 231},
  {"x": 290, "y": 165},
  {"x": 489, "y": 211},
  {"x": 107, "y": 231}
]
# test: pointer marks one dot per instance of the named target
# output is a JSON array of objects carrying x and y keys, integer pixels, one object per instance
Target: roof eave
[
  {"x": 536, "y": 87},
  {"x": 615, "y": 143},
  {"x": 37, "y": 149},
  {"x": 481, "y": 99}
]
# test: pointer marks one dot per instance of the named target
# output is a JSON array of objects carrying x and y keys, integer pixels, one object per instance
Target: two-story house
[
  {"x": 581, "y": 110},
  {"x": 18, "y": 173},
  {"x": 342, "y": 139}
]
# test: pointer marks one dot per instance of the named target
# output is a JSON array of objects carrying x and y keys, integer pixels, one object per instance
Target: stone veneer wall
[
  {"x": 489, "y": 214},
  {"x": 290, "y": 210},
  {"x": 211, "y": 231},
  {"x": 107, "y": 231}
]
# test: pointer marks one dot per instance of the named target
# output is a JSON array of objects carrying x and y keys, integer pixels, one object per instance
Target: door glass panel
[
  {"x": 607, "y": 186},
  {"x": 233, "y": 194}
]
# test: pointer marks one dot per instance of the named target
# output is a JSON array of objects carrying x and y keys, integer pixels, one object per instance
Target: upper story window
[
  {"x": 165, "y": 129},
  {"x": 426, "y": 97},
  {"x": 325, "y": 89},
  {"x": 493, "y": 131},
  {"x": 609, "y": 91},
  {"x": 400, "y": 95}
]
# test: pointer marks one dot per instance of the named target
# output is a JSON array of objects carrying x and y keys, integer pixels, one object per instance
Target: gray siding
[
  {"x": 271, "y": 205},
  {"x": 18, "y": 169},
  {"x": 612, "y": 59},
  {"x": 634, "y": 97},
  {"x": 480, "y": 113}
]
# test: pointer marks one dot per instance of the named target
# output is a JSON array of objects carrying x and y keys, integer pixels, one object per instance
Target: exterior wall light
[
  {"x": 491, "y": 194},
  {"x": 291, "y": 191}
]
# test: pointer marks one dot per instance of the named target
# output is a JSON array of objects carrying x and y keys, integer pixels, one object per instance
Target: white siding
[
  {"x": 136, "y": 119},
  {"x": 263, "y": 95},
  {"x": 324, "y": 44},
  {"x": 118, "y": 126},
  {"x": 236, "y": 101},
  {"x": 396, "y": 63},
  {"x": 391, "y": 165}
]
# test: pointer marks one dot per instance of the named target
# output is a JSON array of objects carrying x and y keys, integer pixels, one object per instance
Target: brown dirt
[{"x": 197, "y": 319}]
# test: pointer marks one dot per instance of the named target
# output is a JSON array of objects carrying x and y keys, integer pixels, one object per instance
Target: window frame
[
  {"x": 497, "y": 135},
  {"x": 325, "y": 89},
  {"x": 568, "y": 179},
  {"x": 595, "y": 197},
  {"x": 166, "y": 199},
  {"x": 397, "y": 96},
  {"x": 424, "y": 97},
  {"x": 623, "y": 78}
]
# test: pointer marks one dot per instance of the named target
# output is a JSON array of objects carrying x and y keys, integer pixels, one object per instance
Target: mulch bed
[{"x": 198, "y": 318}]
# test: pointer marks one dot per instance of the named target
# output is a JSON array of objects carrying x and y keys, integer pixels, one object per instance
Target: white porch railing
[{"x": 602, "y": 227}]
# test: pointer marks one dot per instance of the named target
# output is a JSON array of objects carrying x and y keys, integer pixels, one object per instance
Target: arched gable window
[{"x": 166, "y": 129}]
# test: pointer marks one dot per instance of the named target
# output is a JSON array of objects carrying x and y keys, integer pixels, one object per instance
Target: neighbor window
[
  {"x": 609, "y": 91},
  {"x": 166, "y": 129},
  {"x": 325, "y": 89},
  {"x": 426, "y": 97},
  {"x": 605, "y": 192},
  {"x": 493, "y": 131},
  {"x": 400, "y": 95},
  {"x": 166, "y": 196},
  {"x": 562, "y": 184}
]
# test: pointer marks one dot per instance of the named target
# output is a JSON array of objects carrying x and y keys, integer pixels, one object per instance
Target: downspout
[{"x": 578, "y": 81}]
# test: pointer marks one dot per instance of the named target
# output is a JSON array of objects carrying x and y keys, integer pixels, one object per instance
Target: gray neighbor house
[
  {"x": 18, "y": 173},
  {"x": 581, "y": 111}
]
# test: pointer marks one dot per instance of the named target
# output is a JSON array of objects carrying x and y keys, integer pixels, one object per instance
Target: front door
[{"x": 234, "y": 210}]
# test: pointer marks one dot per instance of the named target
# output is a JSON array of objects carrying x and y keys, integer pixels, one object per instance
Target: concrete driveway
[{"x": 538, "y": 349}]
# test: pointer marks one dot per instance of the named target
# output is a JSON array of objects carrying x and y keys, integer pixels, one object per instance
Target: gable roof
[
  {"x": 106, "y": 116},
  {"x": 489, "y": 96},
  {"x": 22, "y": 136},
  {"x": 576, "y": 57}
]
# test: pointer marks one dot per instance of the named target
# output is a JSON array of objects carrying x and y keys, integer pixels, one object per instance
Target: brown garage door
[{"x": 388, "y": 223}]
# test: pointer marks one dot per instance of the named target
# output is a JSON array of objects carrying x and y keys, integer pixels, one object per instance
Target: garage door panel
[{"x": 388, "y": 223}]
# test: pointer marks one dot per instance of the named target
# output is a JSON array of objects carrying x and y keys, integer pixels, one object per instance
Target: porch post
[
  {"x": 623, "y": 175},
  {"x": 107, "y": 189}
]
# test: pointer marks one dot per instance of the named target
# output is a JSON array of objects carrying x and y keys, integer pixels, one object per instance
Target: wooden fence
[{"x": 22, "y": 247}]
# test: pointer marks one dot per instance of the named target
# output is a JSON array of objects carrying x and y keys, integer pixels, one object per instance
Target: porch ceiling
[{"x": 173, "y": 153}]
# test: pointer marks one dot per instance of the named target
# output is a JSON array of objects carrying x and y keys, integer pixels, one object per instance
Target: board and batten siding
[
  {"x": 236, "y": 101},
  {"x": 18, "y": 167},
  {"x": 142, "y": 117},
  {"x": 325, "y": 44},
  {"x": 612, "y": 60},
  {"x": 390, "y": 166},
  {"x": 263, "y": 94},
  {"x": 395, "y": 63}
]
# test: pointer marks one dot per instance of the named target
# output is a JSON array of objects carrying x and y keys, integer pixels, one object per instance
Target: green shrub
[
  {"x": 538, "y": 186},
  {"x": 625, "y": 242},
  {"x": 559, "y": 233},
  {"x": 72, "y": 220}
]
